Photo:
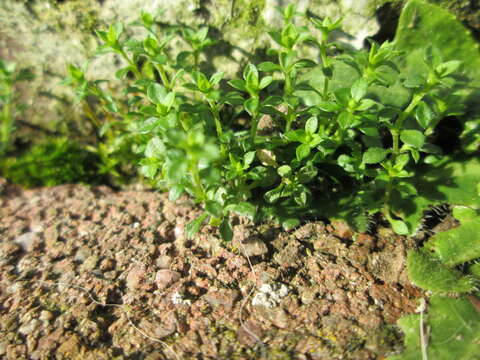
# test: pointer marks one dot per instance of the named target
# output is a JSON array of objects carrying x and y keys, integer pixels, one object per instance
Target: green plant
[
  {"x": 447, "y": 265},
  {"x": 53, "y": 162},
  {"x": 109, "y": 125},
  {"x": 349, "y": 120},
  {"x": 9, "y": 106}
]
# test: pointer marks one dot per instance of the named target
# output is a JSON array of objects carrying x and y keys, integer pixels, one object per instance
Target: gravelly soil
[{"x": 90, "y": 273}]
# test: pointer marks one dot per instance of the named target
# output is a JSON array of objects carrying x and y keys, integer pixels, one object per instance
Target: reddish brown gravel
[{"x": 90, "y": 273}]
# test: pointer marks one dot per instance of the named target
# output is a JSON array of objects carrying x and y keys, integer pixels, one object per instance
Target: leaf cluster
[{"x": 337, "y": 120}]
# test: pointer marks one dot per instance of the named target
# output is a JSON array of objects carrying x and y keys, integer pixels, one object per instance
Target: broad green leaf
[
  {"x": 453, "y": 331},
  {"x": 458, "y": 245},
  {"x": 414, "y": 138},
  {"x": 430, "y": 273},
  {"x": 464, "y": 213}
]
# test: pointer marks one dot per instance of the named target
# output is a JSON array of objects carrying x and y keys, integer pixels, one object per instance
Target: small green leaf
[
  {"x": 267, "y": 80},
  {"x": 424, "y": 115},
  {"x": 251, "y": 105},
  {"x": 345, "y": 119},
  {"x": 155, "y": 148},
  {"x": 359, "y": 89},
  {"x": 168, "y": 100},
  {"x": 447, "y": 68},
  {"x": 414, "y": 138},
  {"x": 193, "y": 227},
  {"x": 238, "y": 84},
  {"x": 175, "y": 192},
  {"x": 284, "y": 171},
  {"x": 156, "y": 93},
  {"x": 290, "y": 223},
  {"x": 202, "y": 33},
  {"x": 311, "y": 125},
  {"x": 243, "y": 208},
  {"x": 215, "y": 78},
  {"x": 374, "y": 155},
  {"x": 148, "y": 170},
  {"x": 214, "y": 209},
  {"x": 226, "y": 230},
  {"x": 268, "y": 66},
  {"x": 250, "y": 75},
  {"x": 248, "y": 158},
  {"x": 232, "y": 98},
  {"x": 399, "y": 227},
  {"x": 306, "y": 174},
  {"x": 304, "y": 63},
  {"x": 274, "y": 194},
  {"x": 302, "y": 151}
]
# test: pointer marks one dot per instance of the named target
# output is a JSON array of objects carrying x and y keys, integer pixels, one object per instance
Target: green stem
[
  {"x": 253, "y": 128},
  {"x": 216, "y": 117},
  {"x": 326, "y": 82},
  {"x": 395, "y": 131},
  {"x": 164, "y": 76},
  {"x": 290, "y": 118},
  {"x": 218, "y": 123},
  {"x": 197, "y": 180},
  {"x": 135, "y": 70},
  {"x": 7, "y": 125},
  {"x": 289, "y": 92}
]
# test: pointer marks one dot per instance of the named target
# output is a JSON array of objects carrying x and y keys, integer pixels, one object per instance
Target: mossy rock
[{"x": 48, "y": 34}]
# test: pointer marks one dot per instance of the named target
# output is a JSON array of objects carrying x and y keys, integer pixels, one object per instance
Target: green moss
[{"x": 54, "y": 162}]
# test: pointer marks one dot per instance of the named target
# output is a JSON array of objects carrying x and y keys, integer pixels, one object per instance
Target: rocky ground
[{"x": 90, "y": 273}]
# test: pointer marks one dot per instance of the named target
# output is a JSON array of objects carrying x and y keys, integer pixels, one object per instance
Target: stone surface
[
  {"x": 165, "y": 277},
  {"x": 339, "y": 292},
  {"x": 47, "y": 35},
  {"x": 28, "y": 241}
]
